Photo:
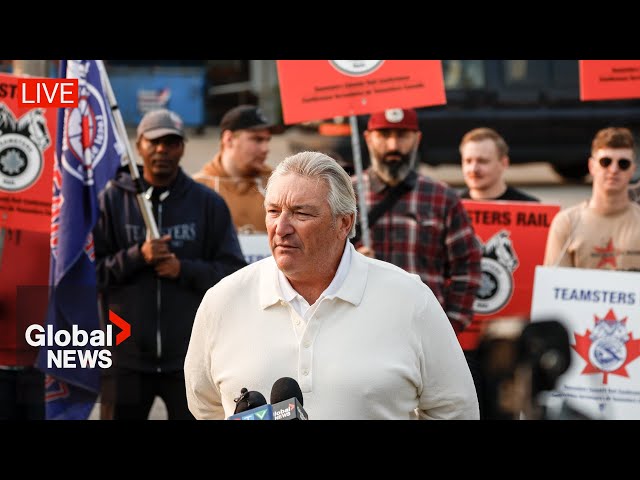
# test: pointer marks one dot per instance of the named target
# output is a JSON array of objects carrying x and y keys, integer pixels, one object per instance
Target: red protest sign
[
  {"x": 319, "y": 89},
  {"x": 514, "y": 236},
  {"x": 609, "y": 79},
  {"x": 27, "y": 145}
]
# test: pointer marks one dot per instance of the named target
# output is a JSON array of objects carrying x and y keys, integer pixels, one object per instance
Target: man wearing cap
[
  {"x": 238, "y": 171},
  {"x": 422, "y": 226},
  {"x": 156, "y": 285}
]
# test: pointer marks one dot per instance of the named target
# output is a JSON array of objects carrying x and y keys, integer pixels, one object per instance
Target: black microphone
[
  {"x": 286, "y": 400},
  {"x": 248, "y": 400}
]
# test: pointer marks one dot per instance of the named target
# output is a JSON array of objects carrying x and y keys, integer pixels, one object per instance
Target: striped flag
[{"x": 88, "y": 153}]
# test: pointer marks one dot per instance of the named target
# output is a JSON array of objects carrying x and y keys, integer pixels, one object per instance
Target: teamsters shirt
[{"x": 381, "y": 347}]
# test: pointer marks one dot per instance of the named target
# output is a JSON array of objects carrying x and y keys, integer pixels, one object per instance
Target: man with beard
[{"x": 422, "y": 226}]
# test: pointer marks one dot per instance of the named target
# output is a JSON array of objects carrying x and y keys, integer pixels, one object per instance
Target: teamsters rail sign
[{"x": 513, "y": 237}]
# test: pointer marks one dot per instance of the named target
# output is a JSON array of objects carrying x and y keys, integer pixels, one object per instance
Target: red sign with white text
[
  {"x": 609, "y": 79},
  {"x": 27, "y": 145},
  {"x": 321, "y": 89},
  {"x": 513, "y": 237},
  {"x": 48, "y": 92}
]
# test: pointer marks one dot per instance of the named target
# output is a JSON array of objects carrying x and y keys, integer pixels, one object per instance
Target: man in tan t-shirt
[
  {"x": 238, "y": 171},
  {"x": 604, "y": 231}
]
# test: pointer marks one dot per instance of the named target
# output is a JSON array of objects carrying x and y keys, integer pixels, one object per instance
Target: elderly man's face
[{"x": 304, "y": 237}]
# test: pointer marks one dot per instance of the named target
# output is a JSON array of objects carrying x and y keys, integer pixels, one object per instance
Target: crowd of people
[{"x": 351, "y": 311}]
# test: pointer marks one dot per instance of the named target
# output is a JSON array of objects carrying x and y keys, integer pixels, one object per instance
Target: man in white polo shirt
[{"x": 363, "y": 338}]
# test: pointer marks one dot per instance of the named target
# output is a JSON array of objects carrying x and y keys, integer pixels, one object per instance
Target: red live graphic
[{"x": 48, "y": 92}]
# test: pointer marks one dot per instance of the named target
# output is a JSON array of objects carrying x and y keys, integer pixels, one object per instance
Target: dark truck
[{"x": 534, "y": 104}]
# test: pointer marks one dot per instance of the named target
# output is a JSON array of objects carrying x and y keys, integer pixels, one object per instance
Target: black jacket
[{"x": 161, "y": 310}]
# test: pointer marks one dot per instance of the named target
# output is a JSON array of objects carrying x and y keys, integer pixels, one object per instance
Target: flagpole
[
  {"x": 357, "y": 163},
  {"x": 143, "y": 201}
]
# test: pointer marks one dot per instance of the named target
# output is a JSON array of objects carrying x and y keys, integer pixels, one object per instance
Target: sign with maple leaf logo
[{"x": 600, "y": 309}]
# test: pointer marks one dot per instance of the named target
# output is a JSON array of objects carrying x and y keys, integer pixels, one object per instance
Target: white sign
[
  {"x": 255, "y": 246},
  {"x": 601, "y": 311}
]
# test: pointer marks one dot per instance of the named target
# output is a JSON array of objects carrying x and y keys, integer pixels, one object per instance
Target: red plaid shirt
[{"x": 428, "y": 232}]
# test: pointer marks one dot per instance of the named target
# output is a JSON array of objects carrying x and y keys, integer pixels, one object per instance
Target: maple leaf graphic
[{"x": 583, "y": 346}]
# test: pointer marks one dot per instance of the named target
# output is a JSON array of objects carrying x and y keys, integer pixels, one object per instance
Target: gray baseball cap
[{"x": 161, "y": 122}]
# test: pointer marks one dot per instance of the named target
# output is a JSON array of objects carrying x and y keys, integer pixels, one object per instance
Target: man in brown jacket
[{"x": 238, "y": 171}]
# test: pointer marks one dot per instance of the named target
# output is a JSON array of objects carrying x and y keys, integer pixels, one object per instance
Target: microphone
[
  {"x": 251, "y": 405},
  {"x": 286, "y": 400},
  {"x": 248, "y": 399}
]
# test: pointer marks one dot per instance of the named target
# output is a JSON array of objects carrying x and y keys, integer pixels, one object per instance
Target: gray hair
[{"x": 317, "y": 165}]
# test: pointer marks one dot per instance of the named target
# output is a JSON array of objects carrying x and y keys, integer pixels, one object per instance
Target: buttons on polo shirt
[
  {"x": 307, "y": 344},
  {"x": 305, "y": 372}
]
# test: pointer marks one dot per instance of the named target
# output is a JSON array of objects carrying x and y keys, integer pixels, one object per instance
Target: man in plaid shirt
[{"x": 427, "y": 231}]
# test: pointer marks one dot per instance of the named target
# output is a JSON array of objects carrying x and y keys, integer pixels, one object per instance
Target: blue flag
[{"x": 88, "y": 153}]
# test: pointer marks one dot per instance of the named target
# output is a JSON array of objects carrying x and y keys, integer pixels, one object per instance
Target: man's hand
[
  {"x": 154, "y": 251},
  {"x": 367, "y": 251},
  {"x": 169, "y": 268}
]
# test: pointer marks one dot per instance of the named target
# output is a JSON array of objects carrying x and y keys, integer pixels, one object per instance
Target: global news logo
[{"x": 77, "y": 357}]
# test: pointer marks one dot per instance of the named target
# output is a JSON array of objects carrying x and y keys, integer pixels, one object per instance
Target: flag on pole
[{"x": 88, "y": 153}]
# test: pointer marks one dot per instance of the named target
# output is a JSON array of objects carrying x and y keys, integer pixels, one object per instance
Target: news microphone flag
[
  {"x": 289, "y": 410},
  {"x": 88, "y": 153},
  {"x": 263, "y": 412}
]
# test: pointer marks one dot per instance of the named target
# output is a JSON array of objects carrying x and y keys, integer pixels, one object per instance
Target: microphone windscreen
[
  {"x": 285, "y": 388},
  {"x": 249, "y": 400}
]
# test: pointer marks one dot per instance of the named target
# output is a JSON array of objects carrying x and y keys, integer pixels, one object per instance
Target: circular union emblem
[
  {"x": 608, "y": 353},
  {"x": 20, "y": 162},
  {"x": 356, "y": 68},
  {"x": 86, "y": 135},
  {"x": 495, "y": 289},
  {"x": 394, "y": 115}
]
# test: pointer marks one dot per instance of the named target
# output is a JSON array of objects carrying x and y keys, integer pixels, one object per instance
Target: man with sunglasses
[
  {"x": 156, "y": 285},
  {"x": 604, "y": 231}
]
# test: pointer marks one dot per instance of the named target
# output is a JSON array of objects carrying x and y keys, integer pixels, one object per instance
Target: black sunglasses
[{"x": 623, "y": 163}]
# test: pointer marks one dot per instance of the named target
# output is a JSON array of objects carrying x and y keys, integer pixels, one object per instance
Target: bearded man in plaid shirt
[{"x": 426, "y": 231}]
